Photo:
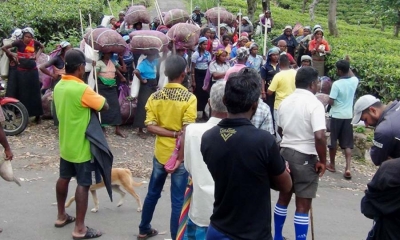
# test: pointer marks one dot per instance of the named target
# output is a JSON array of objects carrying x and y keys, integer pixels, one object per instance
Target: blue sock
[
  {"x": 280, "y": 213},
  {"x": 301, "y": 225}
]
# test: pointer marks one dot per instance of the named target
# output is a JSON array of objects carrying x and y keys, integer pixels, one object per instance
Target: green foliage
[
  {"x": 71, "y": 35},
  {"x": 360, "y": 129},
  {"x": 48, "y": 17},
  {"x": 373, "y": 53}
]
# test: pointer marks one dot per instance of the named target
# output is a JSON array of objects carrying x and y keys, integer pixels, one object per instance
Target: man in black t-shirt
[{"x": 244, "y": 162}]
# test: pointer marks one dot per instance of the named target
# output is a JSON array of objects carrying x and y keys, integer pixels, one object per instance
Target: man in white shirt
[
  {"x": 302, "y": 119},
  {"x": 201, "y": 205}
]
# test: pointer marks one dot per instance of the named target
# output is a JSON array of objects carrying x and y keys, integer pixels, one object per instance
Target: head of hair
[
  {"x": 305, "y": 76},
  {"x": 284, "y": 60},
  {"x": 241, "y": 92},
  {"x": 203, "y": 31},
  {"x": 175, "y": 65},
  {"x": 375, "y": 105},
  {"x": 343, "y": 66},
  {"x": 216, "y": 97},
  {"x": 226, "y": 37},
  {"x": 76, "y": 58}
]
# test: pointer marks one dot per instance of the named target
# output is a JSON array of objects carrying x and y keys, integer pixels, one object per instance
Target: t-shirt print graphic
[{"x": 226, "y": 133}]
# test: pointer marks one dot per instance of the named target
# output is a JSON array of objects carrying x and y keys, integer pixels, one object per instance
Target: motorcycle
[{"x": 15, "y": 113}]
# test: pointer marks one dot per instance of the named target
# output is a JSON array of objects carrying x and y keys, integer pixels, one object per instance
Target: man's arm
[
  {"x": 4, "y": 143},
  {"x": 273, "y": 86},
  {"x": 380, "y": 150},
  {"x": 320, "y": 146},
  {"x": 280, "y": 178},
  {"x": 333, "y": 94}
]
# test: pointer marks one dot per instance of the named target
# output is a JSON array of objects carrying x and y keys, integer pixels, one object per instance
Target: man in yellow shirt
[
  {"x": 283, "y": 84},
  {"x": 168, "y": 112}
]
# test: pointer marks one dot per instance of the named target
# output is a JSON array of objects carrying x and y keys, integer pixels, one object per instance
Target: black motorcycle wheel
[{"x": 16, "y": 116}]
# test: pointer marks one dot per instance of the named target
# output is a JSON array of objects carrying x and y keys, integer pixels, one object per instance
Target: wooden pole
[
  {"x": 94, "y": 70},
  {"x": 312, "y": 223},
  {"x": 80, "y": 16},
  {"x": 132, "y": 3},
  {"x": 219, "y": 22},
  {"x": 191, "y": 5},
  {"x": 109, "y": 5},
  {"x": 265, "y": 38},
  {"x": 240, "y": 22},
  {"x": 159, "y": 12}
]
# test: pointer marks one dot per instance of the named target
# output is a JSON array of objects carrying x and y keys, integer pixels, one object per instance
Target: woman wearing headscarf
[
  {"x": 146, "y": 72},
  {"x": 200, "y": 60},
  {"x": 217, "y": 68},
  {"x": 247, "y": 27},
  {"x": 206, "y": 32},
  {"x": 267, "y": 21},
  {"x": 268, "y": 71},
  {"x": 27, "y": 75},
  {"x": 290, "y": 40},
  {"x": 107, "y": 69},
  {"x": 56, "y": 63},
  {"x": 226, "y": 42},
  {"x": 319, "y": 48},
  {"x": 254, "y": 61}
]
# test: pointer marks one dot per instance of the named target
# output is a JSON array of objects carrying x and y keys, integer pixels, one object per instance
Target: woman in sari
[
  {"x": 27, "y": 76},
  {"x": 319, "y": 48},
  {"x": 200, "y": 60},
  {"x": 107, "y": 69},
  {"x": 57, "y": 63},
  {"x": 254, "y": 61},
  {"x": 146, "y": 72}
]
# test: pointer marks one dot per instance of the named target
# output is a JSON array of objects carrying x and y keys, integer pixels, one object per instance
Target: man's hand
[
  {"x": 177, "y": 163},
  {"x": 54, "y": 76},
  {"x": 9, "y": 154},
  {"x": 287, "y": 167},
  {"x": 320, "y": 168}
]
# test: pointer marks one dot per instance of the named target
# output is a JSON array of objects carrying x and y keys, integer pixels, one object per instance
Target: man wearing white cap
[{"x": 385, "y": 119}]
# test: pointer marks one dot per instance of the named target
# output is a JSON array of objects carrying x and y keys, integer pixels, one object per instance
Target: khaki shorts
[{"x": 302, "y": 169}]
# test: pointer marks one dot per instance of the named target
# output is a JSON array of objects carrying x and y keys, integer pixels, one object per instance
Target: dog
[{"x": 119, "y": 177}]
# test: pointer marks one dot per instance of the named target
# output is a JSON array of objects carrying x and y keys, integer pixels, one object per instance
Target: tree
[
  {"x": 388, "y": 12},
  {"x": 312, "y": 9},
  {"x": 251, "y": 8},
  {"x": 332, "y": 18},
  {"x": 303, "y": 9}
]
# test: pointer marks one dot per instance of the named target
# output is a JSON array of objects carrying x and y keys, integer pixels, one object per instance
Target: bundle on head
[
  {"x": 225, "y": 16},
  {"x": 106, "y": 40},
  {"x": 148, "y": 41},
  {"x": 137, "y": 14},
  {"x": 185, "y": 35},
  {"x": 175, "y": 16}
]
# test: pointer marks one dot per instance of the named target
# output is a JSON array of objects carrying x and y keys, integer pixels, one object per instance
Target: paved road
[{"x": 28, "y": 212}]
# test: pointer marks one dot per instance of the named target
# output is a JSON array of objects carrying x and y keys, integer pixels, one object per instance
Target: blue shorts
[
  {"x": 194, "y": 232},
  {"x": 214, "y": 234}
]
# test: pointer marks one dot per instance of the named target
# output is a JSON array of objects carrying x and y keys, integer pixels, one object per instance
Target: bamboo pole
[
  {"x": 191, "y": 5},
  {"x": 94, "y": 71},
  {"x": 240, "y": 22},
  {"x": 265, "y": 39},
  {"x": 109, "y": 5},
  {"x": 219, "y": 23},
  {"x": 159, "y": 12},
  {"x": 80, "y": 16}
]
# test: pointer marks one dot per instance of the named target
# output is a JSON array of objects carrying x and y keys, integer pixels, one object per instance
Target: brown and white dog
[{"x": 119, "y": 177}]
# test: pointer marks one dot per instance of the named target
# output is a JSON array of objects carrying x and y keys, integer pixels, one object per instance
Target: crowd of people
[{"x": 259, "y": 126}]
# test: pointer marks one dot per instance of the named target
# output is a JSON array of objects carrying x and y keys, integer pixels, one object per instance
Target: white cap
[{"x": 363, "y": 103}]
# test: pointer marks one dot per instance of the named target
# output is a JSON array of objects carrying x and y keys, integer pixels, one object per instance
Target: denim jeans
[
  {"x": 214, "y": 234},
  {"x": 178, "y": 187}
]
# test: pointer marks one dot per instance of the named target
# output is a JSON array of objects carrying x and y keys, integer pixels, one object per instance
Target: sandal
[
  {"x": 150, "y": 234},
  {"x": 90, "y": 233},
  {"x": 347, "y": 175},
  {"x": 66, "y": 222},
  {"x": 330, "y": 168}
]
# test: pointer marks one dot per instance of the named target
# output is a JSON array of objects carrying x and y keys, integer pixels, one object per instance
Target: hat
[
  {"x": 64, "y": 44},
  {"x": 243, "y": 38},
  {"x": 246, "y": 19},
  {"x": 316, "y": 27},
  {"x": 74, "y": 57},
  {"x": 121, "y": 13},
  {"x": 288, "y": 27},
  {"x": 307, "y": 27},
  {"x": 197, "y": 8},
  {"x": 306, "y": 58},
  {"x": 318, "y": 30},
  {"x": 242, "y": 53},
  {"x": 363, "y": 103},
  {"x": 202, "y": 39}
]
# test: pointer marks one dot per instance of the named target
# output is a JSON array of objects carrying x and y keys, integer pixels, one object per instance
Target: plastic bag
[
  {"x": 136, "y": 82},
  {"x": 172, "y": 160},
  {"x": 163, "y": 80},
  {"x": 128, "y": 105},
  {"x": 47, "y": 100},
  {"x": 6, "y": 172}
]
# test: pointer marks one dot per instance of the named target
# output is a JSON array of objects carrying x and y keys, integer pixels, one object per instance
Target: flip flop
[
  {"x": 347, "y": 175},
  {"x": 148, "y": 235},
  {"x": 67, "y": 221},
  {"x": 90, "y": 233},
  {"x": 328, "y": 167}
]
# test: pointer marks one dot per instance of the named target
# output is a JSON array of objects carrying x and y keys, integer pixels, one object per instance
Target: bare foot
[
  {"x": 142, "y": 135},
  {"x": 119, "y": 133},
  {"x": 330, "y": 167},
  {"x": 347, "y": 175}
]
